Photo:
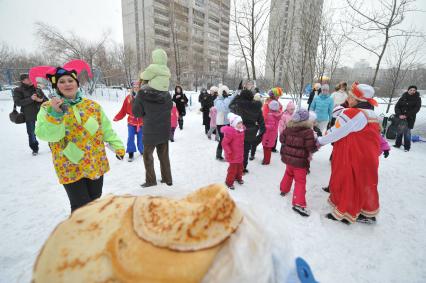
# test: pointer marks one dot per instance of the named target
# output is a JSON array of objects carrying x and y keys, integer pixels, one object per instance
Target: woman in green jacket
[{"x": 76, "y": 129}]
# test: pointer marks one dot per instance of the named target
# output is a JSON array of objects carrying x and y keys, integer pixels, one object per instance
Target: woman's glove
[{"x": 386, "y": 153}]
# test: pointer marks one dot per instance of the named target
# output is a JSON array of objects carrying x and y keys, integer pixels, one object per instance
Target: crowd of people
[{"x": 77, "y": 129}]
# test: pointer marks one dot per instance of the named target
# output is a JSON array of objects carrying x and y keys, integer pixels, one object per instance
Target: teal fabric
[
  {"x": 322, "y": 105},
  {"x": 158, "y": 74}
]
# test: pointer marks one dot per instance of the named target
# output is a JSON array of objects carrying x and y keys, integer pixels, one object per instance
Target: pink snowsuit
[
  {"x": 212, "y": 115},
  {"x": 384, "y": 145},
  {"x": 287, "y": 114},
  {"x": 271, "y": 125},
  {"x": 270, "y": 135},
  {"x": 233, "y": 146},
  {"x": 174, "y": 117}
]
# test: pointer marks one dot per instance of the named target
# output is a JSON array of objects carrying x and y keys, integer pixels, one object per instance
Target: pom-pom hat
[
  {"x": 234, "y": 120},
  {"x": 300, "y": 115},
  {"x": 274, "y": 105},
  {"x": 275, "y": 92}
]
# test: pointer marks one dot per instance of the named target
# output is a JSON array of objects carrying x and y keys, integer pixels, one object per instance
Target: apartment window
[
  {"x": 161, "y": 12},
  {"x": 199, "y": 3},
  {"x": 213, "y": 27},
  {"x": 198, "y": 13},
  {"x": 214, "y": 19},
  {"x": 199, "y": 23},
  {"x": 213, "y": 36},
  {"x": 161, "y": 32}
]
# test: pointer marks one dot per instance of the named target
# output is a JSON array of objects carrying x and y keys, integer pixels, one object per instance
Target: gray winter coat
[{"x": 154, "y": 107}]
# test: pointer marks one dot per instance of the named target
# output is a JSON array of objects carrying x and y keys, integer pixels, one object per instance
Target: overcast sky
[{"x": 90, "y": 18}]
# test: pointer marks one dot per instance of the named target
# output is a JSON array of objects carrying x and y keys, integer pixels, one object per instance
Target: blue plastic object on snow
[
  {"x": 304, "y": 271},
  {"x": 416, "y": 138}
]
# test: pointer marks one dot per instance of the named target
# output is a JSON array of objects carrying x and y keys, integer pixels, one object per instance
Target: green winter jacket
[{"x": 158, "y": 74}]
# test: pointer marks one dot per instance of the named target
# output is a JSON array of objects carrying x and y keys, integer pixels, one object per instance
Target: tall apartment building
[
  {"x": 292, "y": 42},
  {"x": 194, "y": 33}
]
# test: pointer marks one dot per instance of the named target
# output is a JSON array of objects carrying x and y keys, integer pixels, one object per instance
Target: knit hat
[
  {"x": 363, "y": 92},
  {"x": 290, "y": 106},
  {"x": 300, "y": 115},
  {"x": 325, "y": 88},
  {"x": 72, "y": 69},
  {"x": 234, "y": 120},
  {"x": 23, "y": 76},
  {"x": 214, "y": 89},
  {"x": 275, "y": 92},
  {"x": 410, "y": 87},
  {"x": 158, "y": 74},
  {"x": 223, "y": 88},
  {"x": 274, "y": 105}
]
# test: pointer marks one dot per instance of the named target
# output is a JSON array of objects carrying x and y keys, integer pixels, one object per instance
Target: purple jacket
[
  {"x": 271, "y": 125},
  {"x": 233, "y": 144}
]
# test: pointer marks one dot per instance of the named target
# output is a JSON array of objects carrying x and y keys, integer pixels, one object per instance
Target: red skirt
[{"x": 354, "y": 174}]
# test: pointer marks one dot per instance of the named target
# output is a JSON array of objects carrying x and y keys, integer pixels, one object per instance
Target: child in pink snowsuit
[
  {"x": 233, "y": 145},
  {"x": 213, "y": 126},
  {"x": 384, "y": 147},
  {"x": 271, "y": 124},
  {"x": 286, "y": 117},
  {"x": 174, "y": 120}
]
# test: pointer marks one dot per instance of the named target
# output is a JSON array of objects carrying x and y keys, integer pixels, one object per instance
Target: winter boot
[
  {"x": 180, "y": 121},
  {"x": 240, "y": 182},
  {"x": 231, "y": 187},
  {"x": 326, "y": 189},
  {"x": 301, "y": 210},
  {"x": 245, "y": 170},
  {"x": 331, "y": 217},
  {"x": 35, "y": 153},
  {"x": 364, "y": 219},
  {"x": 251, "y": 157},
  {"x": 131, "y": 157},
  {"x": 146, "y": 185},
  {"x": 283, "y": 194}
]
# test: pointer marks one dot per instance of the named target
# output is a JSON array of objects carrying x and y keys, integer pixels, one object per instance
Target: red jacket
[
  {"x": 233, "y": 144},
  {"x": 297, "y": 143},
  {"x": 174, "y": 117},
  {"x": 126, "y": 109}
]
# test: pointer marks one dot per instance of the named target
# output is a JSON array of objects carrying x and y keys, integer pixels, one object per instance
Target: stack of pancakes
[{"x": 140, "y": 239}]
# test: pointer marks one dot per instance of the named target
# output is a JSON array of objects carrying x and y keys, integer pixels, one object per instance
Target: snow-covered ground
[{"x": 32, "y": 203}]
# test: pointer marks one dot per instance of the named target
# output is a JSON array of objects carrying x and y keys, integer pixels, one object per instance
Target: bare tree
[
  {"x": 330, "y": 45},
  {"x": 374, "y": 28},
  {"x": 277, "y": 44},
  {"x": 127, "y": 60},
  {"x": 401, "y": 60},
  {"x": 300, "y": 56},
  {"x": 250, "y": 20},
  {"x": 69, "y": 46}
]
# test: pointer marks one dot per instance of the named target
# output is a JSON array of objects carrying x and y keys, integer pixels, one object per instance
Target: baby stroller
[{"x": 390, "y": 131}]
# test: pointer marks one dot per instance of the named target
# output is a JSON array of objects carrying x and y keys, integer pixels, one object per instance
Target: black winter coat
[
  {"x": 181, "y": 102},
  {"x": 154, "y": 107},
  {"x": 409, "y": 105},
  {"x": 311, "y": 97},
  {"x": 22, "y": 97},
  {"x": 251, "y": 114},
  {"x": 207, "y": 101}
]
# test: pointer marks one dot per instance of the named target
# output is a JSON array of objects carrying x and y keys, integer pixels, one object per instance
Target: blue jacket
[
  {"x": 323, "y": 107},
  {"x": 222, "y": 107}
]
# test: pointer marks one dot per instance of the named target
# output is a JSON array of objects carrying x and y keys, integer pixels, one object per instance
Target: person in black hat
[
  {"x": 29, "y": 98},
  {"x": 406, "y": 109}
]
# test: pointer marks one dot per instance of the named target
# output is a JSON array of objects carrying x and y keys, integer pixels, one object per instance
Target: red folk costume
[
  {"x": 355, "y": 162},
  {"x": 126, "y": 109}
]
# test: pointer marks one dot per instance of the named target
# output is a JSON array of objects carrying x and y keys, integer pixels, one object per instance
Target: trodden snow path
[{"x": 393, "y": 250}]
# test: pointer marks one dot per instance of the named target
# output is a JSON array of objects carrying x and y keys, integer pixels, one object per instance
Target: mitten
[
  {"x": 119, "y": 157},
  {"x": 386, "y": 153}
]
